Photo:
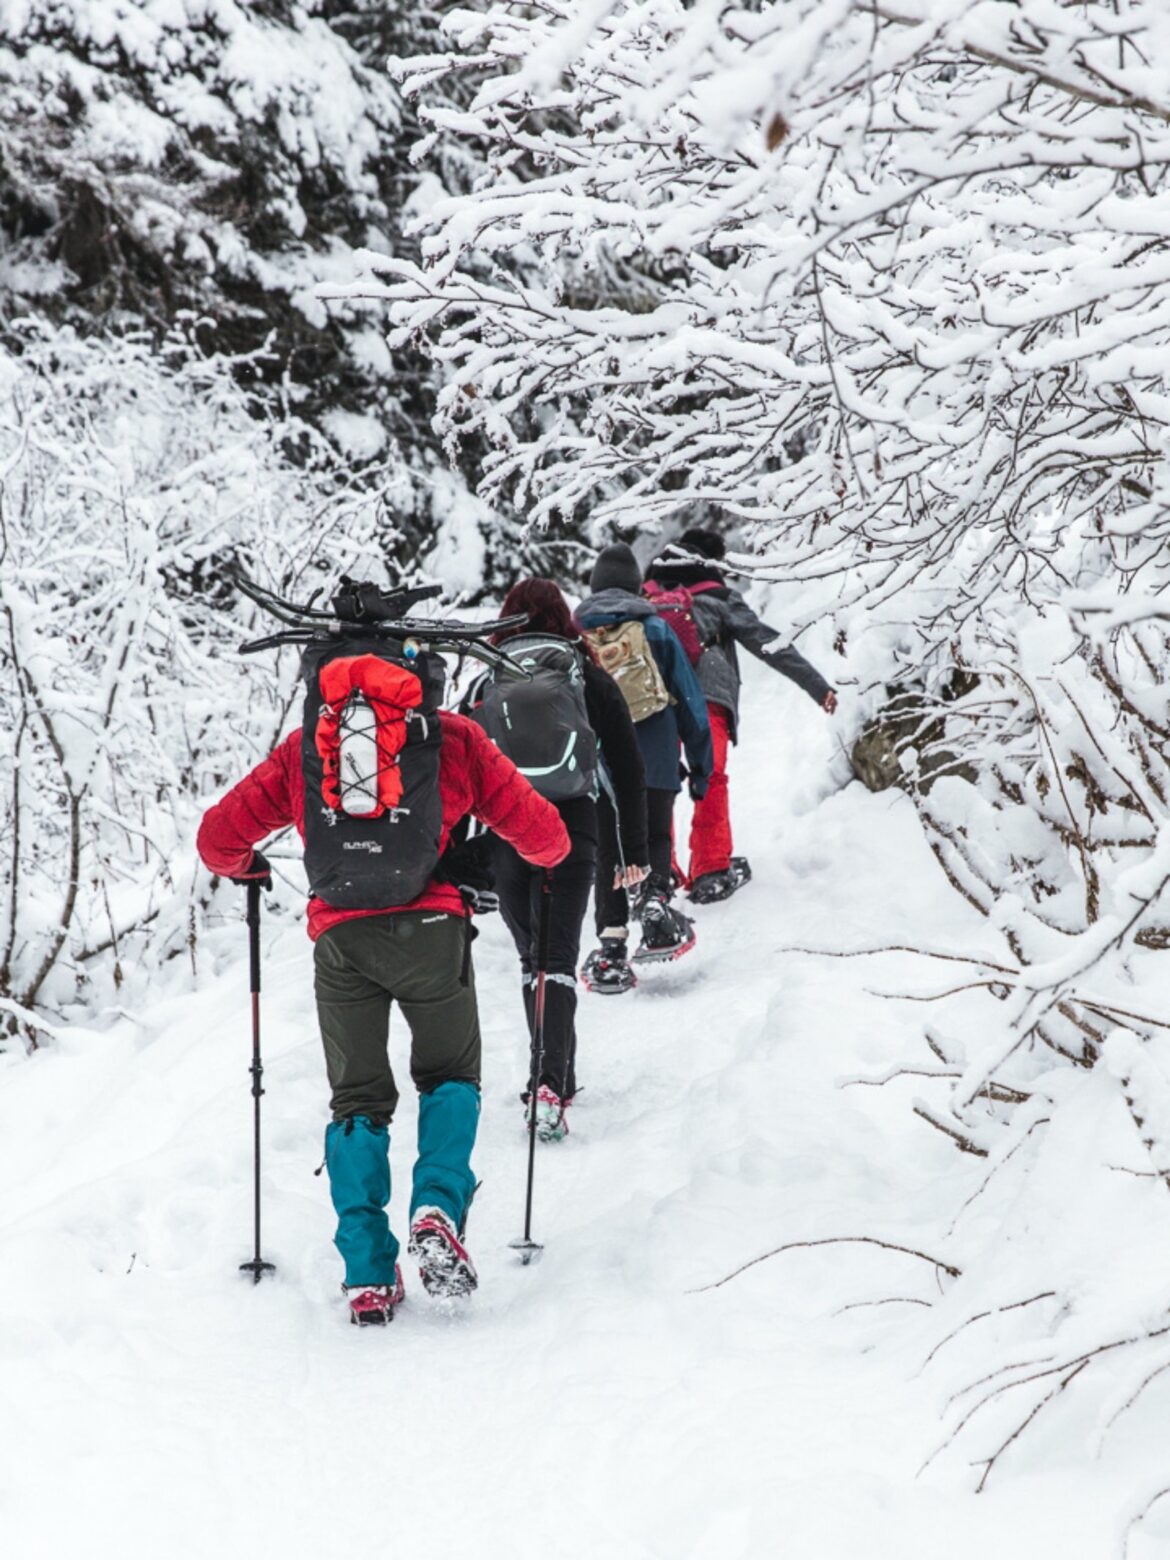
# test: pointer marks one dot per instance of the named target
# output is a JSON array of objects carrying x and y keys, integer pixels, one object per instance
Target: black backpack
[
  {"x": 371, "y": 735},
  {"x": 370, "y": 747},
  {"x": 539, "y": 720}
]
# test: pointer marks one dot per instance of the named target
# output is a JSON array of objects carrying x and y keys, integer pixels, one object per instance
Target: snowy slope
[{"x": 590, "y": 1406}]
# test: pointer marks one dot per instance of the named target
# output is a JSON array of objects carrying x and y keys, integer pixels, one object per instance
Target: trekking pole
[
  {"x": 257, "y": 1266},
  {"x": 528, "y": 1248}
]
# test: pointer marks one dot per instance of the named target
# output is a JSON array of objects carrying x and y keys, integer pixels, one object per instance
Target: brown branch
[
  {"x": 925, "y": 953},
  {"x": 965, "y": 1143},
  {"x": 861, "y": 1305},
  {"x": 830, "y": 1240},
  {"x": 980, "y": 1316},
  {"x": 1020, "y": 1428},
  {"x": 1000, "y": 1093},
  {"x": 1141, "y": 1517},
  {"x": 1121, "y": 98},
  {"x": 1133, "y": 1397}
]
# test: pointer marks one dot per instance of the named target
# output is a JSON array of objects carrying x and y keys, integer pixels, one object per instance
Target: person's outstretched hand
[
  {"x": 630, "y": 877},
  {"x": 829, "y": 702}
]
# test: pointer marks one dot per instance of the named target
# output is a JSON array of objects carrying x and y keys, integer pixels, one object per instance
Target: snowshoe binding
[
  {"x": 666, "y": 932},
  {"x": 551, "y": 1125},
  {"x": 710, "y": 887},
  {"x": 740, "y": 870},
  {"x": 607, "y": 970},
  {"x": 373, "y": 1305},
  {"x": 444, "y": 1265}
]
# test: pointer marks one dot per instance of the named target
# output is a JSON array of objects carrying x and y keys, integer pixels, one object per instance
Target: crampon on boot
[
  {"x": 443, "y": 1263},
  {"x": 607, "y": 970},
  {"x": 666, "y": 932},
  {"x": 373, "y": 1305}
]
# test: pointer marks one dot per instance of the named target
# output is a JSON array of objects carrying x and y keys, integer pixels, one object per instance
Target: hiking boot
[
  {"x": 607, "y": 970},
  {"x": 551, "y": 1125},
  {"x": 443, "y": 1263},
  {"x": 740, "y": 870},
  {"x": 373, "y": 1305},
  {"x": 666, "y": 932}
]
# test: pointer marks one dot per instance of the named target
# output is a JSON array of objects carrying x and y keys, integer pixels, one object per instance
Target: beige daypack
[{"x": 623, "y": 651}]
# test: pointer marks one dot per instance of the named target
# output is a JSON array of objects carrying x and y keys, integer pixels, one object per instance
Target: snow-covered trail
[{"x": 590, "y": 1406}]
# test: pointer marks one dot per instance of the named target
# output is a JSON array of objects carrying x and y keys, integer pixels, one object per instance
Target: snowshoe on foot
[
  {"x": 444, "y": 1266},
  {"x": 710, "y": 887},
  {"x": 551, "y": 1125},
  {"x": 740, "y": 870},
  {"x": 666, "y": 932},
  {"x": 373, "y": 1305},
  {"x": 607, "y": 970}
]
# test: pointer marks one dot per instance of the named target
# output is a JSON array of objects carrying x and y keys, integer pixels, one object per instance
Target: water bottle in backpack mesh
[{"x": 370, "y": 749}]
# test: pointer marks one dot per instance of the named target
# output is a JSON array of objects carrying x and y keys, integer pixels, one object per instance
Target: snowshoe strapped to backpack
[
  {"x": 370, "y": 757},
  {"x": 540, "y": 720},
  {"x": 623, "y": 651}
]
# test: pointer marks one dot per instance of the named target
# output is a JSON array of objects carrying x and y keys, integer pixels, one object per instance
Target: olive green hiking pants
[{"x": 414, "y": 958}]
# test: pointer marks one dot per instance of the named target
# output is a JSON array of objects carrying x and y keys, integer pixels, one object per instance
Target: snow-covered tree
[
  {"x": 129, "y": 478},
  {"x": 223, "y": 158}
]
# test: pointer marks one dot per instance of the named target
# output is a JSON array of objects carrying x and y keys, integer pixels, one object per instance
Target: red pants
[{"x": 711, "y": 823}]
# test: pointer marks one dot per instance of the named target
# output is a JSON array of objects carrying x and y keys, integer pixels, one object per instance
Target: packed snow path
[{"x": 153, "y": 1403}]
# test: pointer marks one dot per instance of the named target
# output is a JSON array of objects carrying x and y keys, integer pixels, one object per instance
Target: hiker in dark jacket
[
  {"x": 724, "y": 620},
  {"x": 681, "y": 716},
  {"x": 520, "y": 885}
]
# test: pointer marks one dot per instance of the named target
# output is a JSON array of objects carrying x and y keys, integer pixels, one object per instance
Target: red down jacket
[{"x": 474, "y": 777}]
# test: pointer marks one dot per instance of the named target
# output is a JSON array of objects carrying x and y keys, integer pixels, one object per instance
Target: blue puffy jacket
[{"x": 686, "y": 719}]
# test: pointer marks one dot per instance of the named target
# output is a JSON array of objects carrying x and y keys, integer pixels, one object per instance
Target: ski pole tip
[
  {"x": 257, "y": 1268},
  {"x": 527, "y": 1250}
]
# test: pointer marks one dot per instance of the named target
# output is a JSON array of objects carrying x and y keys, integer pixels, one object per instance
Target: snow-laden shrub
[
  {"x": 223, "y": 158},
  {"x": 129, "y": 480}
]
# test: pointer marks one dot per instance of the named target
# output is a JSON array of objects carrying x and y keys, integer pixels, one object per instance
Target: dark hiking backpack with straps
[
  {"x": 371, "y": 737},
  {"x": 540, "y": 720},
  {"x": 370, "y": 748}
]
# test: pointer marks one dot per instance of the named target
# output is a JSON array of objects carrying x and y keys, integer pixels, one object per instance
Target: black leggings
[
  {"x": 611, "y": 906},
  {"x": 520, "y": 888}
]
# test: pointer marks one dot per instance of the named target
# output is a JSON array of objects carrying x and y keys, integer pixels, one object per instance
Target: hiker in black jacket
[
  {"x": 723, "y": 620},
  {"x": 520, "y": 886}
]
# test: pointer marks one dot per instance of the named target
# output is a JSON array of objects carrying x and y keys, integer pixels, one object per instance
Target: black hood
[{"x": 667, "y": 574}]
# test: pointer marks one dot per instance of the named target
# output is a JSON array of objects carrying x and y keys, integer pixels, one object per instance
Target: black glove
[
  {"x": 697, "y": 786},
  {"x": 468, "y": 865},
  {"x": 257, "y": 871}
]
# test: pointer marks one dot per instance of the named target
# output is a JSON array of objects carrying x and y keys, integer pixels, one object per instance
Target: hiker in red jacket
[{"x": 418, "y": 955}]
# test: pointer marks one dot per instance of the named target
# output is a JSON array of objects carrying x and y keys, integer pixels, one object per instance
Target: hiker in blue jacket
[{"x": 668, "y": 708}]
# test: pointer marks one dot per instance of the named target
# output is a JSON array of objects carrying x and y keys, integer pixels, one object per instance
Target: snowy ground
[{"x": 152, "y": 1403}]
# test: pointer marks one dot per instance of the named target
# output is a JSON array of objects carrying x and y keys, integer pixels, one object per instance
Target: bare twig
[{"x": 831, "y": 1240}]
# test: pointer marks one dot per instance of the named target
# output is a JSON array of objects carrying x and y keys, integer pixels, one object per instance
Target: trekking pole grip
[{"x": 253, "y": 919}]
